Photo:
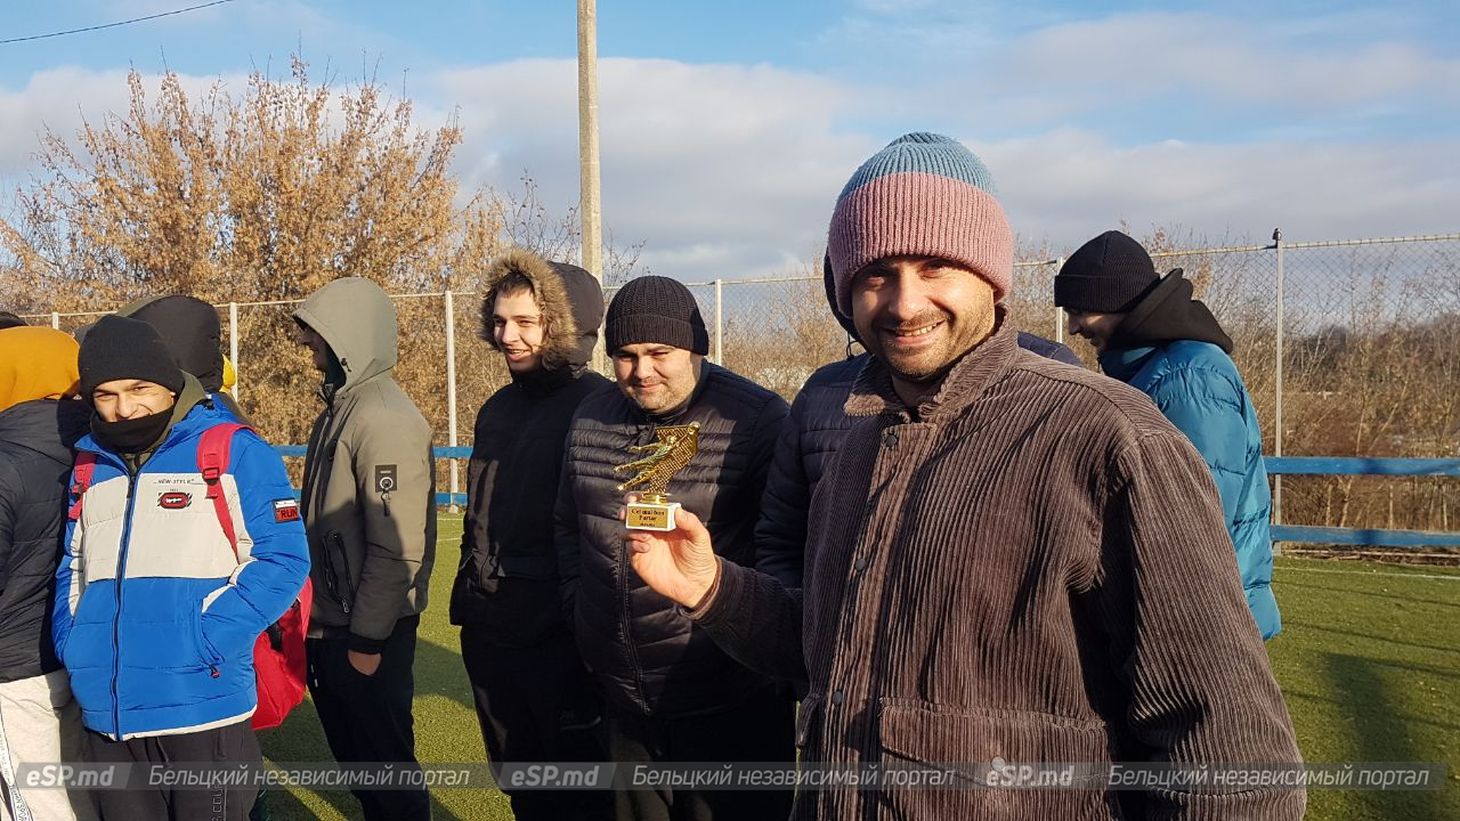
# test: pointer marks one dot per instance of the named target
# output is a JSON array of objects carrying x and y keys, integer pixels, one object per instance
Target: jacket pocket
[
  {"x": 537, "y": 568},
  {"x": 206, "y": 654},
  {"x": 808, "y": 721},
  {"x": 338, "y": 582},
  {"x": 992, "y": 763},
  {"x": 808, "y": 728}
]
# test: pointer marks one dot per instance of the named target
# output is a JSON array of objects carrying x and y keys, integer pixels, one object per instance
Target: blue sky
[{"x": 728, "y": 128}]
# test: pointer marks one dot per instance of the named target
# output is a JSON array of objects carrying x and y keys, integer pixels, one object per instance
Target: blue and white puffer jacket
[
  {"x": 1197, "y": 387},
  {"x": 154, "y": 618}
]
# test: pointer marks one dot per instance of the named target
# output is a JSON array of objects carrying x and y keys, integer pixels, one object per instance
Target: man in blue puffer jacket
[
  {"x": 155, "y": 613},
  {"x": 1153, "y": 336}
]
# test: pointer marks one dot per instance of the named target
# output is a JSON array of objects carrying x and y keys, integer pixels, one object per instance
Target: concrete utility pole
[{"x": 590, "y": 208}]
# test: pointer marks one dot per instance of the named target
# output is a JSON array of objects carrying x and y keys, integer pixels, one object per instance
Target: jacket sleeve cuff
[
  {"x": 720, "y": 597},
  {"x": 360, "y": 644}
]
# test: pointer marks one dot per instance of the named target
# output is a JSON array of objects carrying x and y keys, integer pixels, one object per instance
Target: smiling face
[
  {"x": 517, "y": 328},
  {"x": 130, "y": 399},
  {"x": 920, "y": 314},
  {"x": 658, "y": 378}
]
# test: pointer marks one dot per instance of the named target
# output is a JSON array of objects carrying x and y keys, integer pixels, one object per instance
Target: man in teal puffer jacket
[{"x": 1153, "y": 336}]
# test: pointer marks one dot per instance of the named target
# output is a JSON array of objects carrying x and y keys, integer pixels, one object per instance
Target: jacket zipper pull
[
  {"x": 385, "y": 502},
  {"x": 212, "y": 671}
]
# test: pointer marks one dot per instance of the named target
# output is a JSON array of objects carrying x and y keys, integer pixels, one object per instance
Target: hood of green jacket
[{"x": 357, "y": 320}]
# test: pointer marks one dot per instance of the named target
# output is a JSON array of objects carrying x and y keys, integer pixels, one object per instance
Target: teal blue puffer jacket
[{"x": 1197, "y": 387}]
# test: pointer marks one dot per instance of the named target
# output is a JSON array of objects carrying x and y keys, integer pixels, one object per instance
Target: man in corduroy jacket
[
  {"x": 810, "y": 437},
  {"x": 996, "y": 572}
]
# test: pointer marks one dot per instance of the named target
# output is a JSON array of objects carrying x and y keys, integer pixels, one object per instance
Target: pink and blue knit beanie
[{"x": 923, "y": 194}]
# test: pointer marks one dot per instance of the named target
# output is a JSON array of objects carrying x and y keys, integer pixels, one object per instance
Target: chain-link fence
[{"x": 1349, "y": 348}]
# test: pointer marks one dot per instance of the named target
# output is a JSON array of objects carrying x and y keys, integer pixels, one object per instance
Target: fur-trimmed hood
[{"x": 570, "y": 298}]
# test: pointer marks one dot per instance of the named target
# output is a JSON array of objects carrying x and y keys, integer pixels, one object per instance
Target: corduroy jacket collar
[{"x": 873, "y": 393}]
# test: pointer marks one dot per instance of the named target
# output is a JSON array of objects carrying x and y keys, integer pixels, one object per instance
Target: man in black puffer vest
[
  {"x": 534, "y": 700},
  {"x": 671, "y": 694}
]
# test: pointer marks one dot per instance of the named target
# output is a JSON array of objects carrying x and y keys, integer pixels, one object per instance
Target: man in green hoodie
[{"x": 369, "y": 509}]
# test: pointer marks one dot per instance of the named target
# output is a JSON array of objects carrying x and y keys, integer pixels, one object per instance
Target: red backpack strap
[
  {"x": 213, "y": 455},
  {"x": 80, "y": 482}
]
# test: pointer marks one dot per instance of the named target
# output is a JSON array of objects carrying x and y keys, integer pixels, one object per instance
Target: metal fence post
[
  {"x": 233, "y": 347},
  {"x": 1059, "y": 315},
  {"x": 55, "y": 320},
  {"x": 1277, "y": 441},
  {"x": 719, "y": 322},
  {"x": 451, "y": 392}
]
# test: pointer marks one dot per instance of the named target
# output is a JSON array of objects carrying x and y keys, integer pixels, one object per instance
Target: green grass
[
  {"x": 1368, "y": 659},
  {"x": 446, "y": 722},
  {"x": 1369, "y": 662}
]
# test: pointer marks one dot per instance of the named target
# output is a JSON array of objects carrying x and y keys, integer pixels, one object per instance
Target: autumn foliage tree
[{"x": 262, "y": 196}]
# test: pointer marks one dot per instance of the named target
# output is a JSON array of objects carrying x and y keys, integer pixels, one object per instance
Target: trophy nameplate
[{"x": 673, "y": 448}]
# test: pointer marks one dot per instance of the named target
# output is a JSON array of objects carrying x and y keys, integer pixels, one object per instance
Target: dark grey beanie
[
  {"x": 658, "y": 310},
  {"x": 1106, "y": 275}
]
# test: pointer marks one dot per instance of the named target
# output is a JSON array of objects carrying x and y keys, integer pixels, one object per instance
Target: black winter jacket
[
  {"x": 507, "y": 581},
  {"x": 649, "y": 657},
  {"x": 35, "y": 466}
]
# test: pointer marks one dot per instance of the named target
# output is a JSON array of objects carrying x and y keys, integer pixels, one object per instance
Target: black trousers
[
  {"x": 536, "y": 704},
  {"x": 761, "y": 729},
  {"x": 233, "y": 744},
  {"x": 368, "y": 718}
]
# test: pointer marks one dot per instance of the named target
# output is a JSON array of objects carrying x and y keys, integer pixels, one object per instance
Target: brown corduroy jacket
[{"x": 1030, "y": 567}]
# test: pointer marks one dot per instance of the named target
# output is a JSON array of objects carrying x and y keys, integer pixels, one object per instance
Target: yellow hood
[{"x": 36, "y": 363}]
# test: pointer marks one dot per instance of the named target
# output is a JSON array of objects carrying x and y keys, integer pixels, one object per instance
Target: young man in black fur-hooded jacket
[{"x": 533, "y": 696}]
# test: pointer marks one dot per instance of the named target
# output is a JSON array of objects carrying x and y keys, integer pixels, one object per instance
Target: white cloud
[
  {"x": 54, "y": 98},
  {"x": 1070, "y": 185},
  {"x": 725, "y": 170},
  {"x": 720, "y": 170},
  {"x": 61, "y": 99},
  {"x": 1200, "y": 54},
  {"x": 731, "y": 170}
]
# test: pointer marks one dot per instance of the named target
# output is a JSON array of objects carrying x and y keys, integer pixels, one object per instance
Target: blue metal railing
[
  {"x": 1285, "y": 465},
  {"x": 1362, "y": 466}
]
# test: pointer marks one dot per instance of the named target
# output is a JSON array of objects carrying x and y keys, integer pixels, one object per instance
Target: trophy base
[{"x": 656, "y": 516}]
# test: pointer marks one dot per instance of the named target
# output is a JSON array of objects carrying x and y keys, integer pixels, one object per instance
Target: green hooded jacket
[{"x": 369, "y": 482}]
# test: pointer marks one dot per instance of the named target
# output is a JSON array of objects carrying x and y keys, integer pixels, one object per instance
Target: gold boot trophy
[{"x": 673, "y": 448}]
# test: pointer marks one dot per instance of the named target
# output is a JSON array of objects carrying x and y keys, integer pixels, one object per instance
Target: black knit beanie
[
  {"x": 120, "y": 348},
  {"x": 658, "y": 310},
  {"x": 1107, "y": 275}
]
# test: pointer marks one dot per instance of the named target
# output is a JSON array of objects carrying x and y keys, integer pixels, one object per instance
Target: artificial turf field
[{"x": 1369, "y": 661}]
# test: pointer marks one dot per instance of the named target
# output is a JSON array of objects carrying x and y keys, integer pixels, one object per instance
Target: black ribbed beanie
[
  {"x": 655, "y": 309},
  {"x": 120, "y": 348},
  {"x": 1106, "y": 275}
]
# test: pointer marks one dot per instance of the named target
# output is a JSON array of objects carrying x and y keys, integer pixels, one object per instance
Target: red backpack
[{"x": 279, "y": 662}]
